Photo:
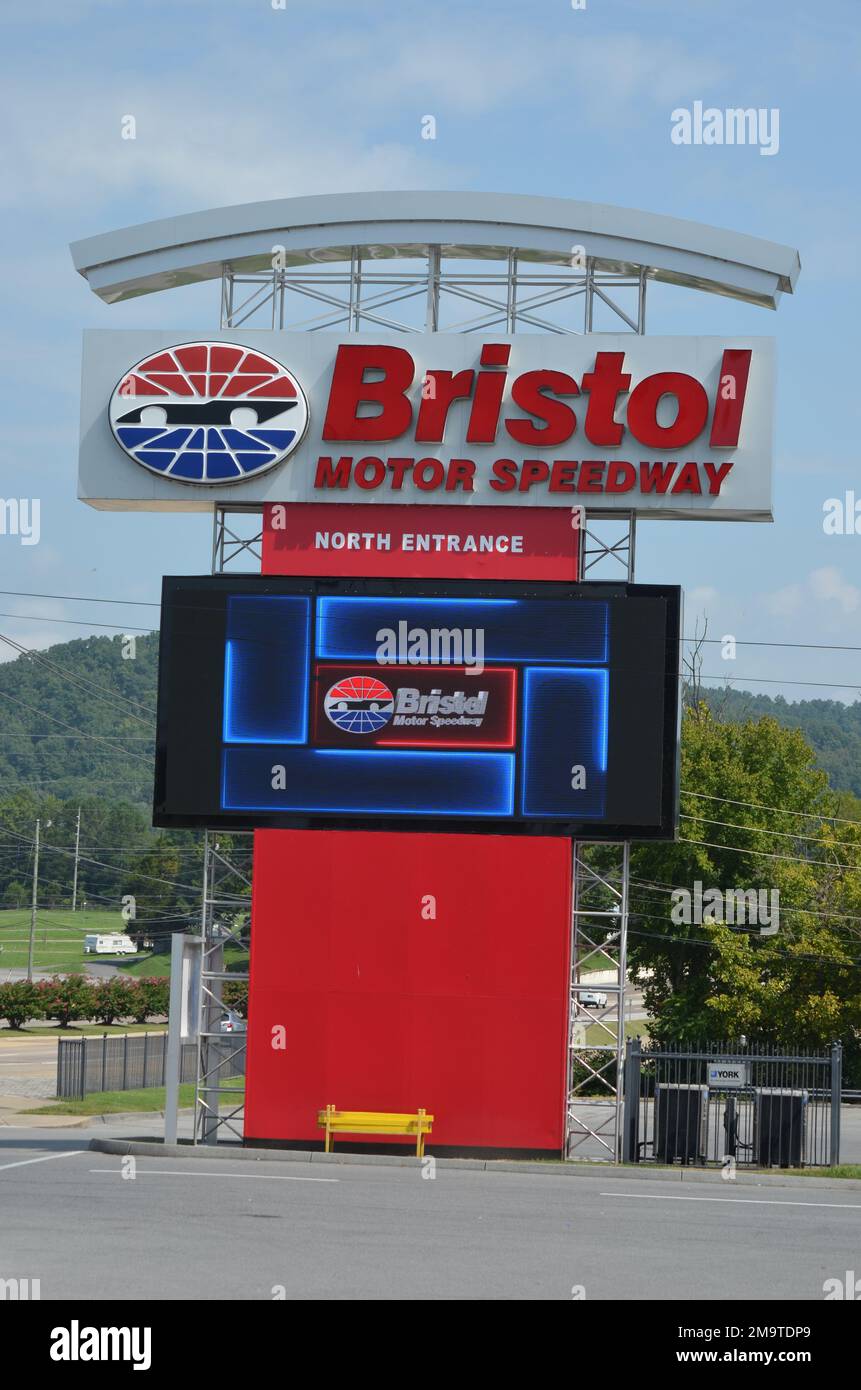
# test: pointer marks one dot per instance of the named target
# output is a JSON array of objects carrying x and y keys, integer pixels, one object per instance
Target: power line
[
  {"x": 656, "y": 886},
  {"x": 117, "y": 868},
  {"x": 100, "y": 738},
  {"x": 74, "y": 622},
  {"x": 758, "y": 806},
  {"x": 101, "y": 692},
  {"x": 784, "y": 834},
  {"x": 764, "y": 854},
  {"x": 785, "y": 680},
  {"x": 78, "y": 598},
  {"x": 789, "y": 957},
  {"x": 116, "y": 747},
  {"x": 755, "y": 642},
  {"x": 152, "y": 603}
]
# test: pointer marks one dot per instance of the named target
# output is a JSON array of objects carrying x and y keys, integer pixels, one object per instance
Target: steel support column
[{"x": 596, "y": 1036}]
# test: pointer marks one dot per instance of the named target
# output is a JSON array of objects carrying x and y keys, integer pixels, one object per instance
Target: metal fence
[
  {"x": 727, "y": 1105},
  {"x": 131, "y": 1061}
]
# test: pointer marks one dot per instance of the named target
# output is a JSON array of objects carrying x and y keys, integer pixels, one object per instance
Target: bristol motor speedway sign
[{"x": 666, "y": 426}]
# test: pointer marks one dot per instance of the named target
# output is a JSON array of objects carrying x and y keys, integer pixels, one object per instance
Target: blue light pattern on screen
[
  {"x": 514, "y": 629},
  {"x": 266, "y": 669},
  {"x": 371, "y": 782},
  {"x": 268, "y": 678},
  {"x": 565, "y": 717}
]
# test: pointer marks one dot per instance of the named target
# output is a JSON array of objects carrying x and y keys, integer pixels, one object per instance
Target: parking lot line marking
[
  {"x": 22, "y": 1162},
  {"x": 750, "y": 1201},
  {"x": 180, "y": 1173}
]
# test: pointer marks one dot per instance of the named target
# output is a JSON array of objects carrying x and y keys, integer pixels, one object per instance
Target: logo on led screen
[
  {"x": 208, "y": 413},
  {"x": 359, "y": 705},
  {"x": 430, "y": 709}
]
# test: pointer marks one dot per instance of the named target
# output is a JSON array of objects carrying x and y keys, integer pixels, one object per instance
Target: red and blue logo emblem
[
  {"x": 359, "y": 704},
  {"x": 208, "y": 413}
]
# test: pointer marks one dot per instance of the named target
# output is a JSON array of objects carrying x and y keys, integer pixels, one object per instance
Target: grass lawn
[
  {"x": 845, "y": 1170},
  {"x": 59, "y": 940},
  {"x": 78, "y": 1030},
  {"x": 59, "y": 943},
  {"x": 116, "y": 1102},
  {"x": 159, "y": 965},
  {"x": 596, "y": 1034}
]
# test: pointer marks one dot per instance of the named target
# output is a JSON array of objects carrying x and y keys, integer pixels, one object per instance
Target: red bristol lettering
[{"x": 370, "y": 401}]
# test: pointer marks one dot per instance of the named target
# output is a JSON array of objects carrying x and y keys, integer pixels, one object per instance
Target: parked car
[
  {"x": 592, "y": 999},
  {"x": 232, "y": 1023}
]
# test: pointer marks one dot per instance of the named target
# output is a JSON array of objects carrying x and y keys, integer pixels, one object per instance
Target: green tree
[{"x": 752, "y": 817}]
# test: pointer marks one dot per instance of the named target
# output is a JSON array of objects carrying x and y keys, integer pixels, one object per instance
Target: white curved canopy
[{"x": 476, "y": 226}]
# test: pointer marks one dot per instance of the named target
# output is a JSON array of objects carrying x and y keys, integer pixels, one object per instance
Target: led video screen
[{"x": 541, "y": 708}]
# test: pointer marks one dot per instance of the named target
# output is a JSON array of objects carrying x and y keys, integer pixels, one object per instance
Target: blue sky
[{"x": 235, "y": 101}]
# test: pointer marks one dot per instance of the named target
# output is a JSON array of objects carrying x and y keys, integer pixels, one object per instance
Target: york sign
[
  {"x": 677, "y": 427},
  {"x": 728, "y": 1076}
]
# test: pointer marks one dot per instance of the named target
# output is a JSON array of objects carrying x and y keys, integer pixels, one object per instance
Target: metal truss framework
[
  {"x": 599, "y": 925},
  {"x": 609, "y": 541},
  {"x": 516, "y": 296},
  {"x": 219, "y": 1094},
  {"x": 509, "y": 300},
  {"x": 237, "y": 538},
  {"x": 596, "y": 1038}
]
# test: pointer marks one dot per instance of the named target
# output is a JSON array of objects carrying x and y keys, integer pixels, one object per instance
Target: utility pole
[
  {"x": 77, "y": 855},
  {"x": 33, "y": 907}
]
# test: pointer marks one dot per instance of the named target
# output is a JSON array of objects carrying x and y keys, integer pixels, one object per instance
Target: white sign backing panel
[{"x": 673, "y": 427}]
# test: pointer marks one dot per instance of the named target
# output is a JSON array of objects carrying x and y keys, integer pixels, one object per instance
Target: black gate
[{"x": 729, "y": 1105}]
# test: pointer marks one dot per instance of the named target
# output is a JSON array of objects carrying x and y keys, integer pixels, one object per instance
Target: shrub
[
  {"x": 65, "y": 998},
  {"x": 19, "y": 1002},
  {"x": 149, "y": 998},
  {"x": 112, "y": 999}
]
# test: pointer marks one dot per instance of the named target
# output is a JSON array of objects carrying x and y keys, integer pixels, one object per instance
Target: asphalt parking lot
[{"x": 231, "y": 1229}]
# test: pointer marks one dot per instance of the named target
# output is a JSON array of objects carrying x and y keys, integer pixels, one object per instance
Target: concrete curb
[
  {"x": 28, "y": 1121},
  {"x": 111, "y": 1117},
  {"x": 150, "y": 1148},
  {"x": 16, "y": 1119}
]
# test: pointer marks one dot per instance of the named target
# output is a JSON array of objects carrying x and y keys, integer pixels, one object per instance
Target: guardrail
[{"x": 132, "y": 1061}]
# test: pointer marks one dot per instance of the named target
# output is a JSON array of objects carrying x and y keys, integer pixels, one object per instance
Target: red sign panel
[
  {"x": 318, "y": 538},
  {"x": 344, "y": 963}
]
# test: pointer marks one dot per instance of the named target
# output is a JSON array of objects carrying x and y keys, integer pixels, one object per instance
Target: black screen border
[{"x": 221, "y": 586}]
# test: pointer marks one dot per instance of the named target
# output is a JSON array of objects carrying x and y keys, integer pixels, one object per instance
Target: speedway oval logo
[
  {"x": 359, "y": 704},
  {"x": 208, "y": 413}
]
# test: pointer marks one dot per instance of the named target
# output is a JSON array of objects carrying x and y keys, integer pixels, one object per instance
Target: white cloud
[
  {"x": 188, "y": 152},
  {"x": 818, "y": 602},
  {"x": 827, "y": 584},
  {"x": 785, "y": 602},
  {"x": 328, "y": 127},
  {"x": 701, "y": 598}
]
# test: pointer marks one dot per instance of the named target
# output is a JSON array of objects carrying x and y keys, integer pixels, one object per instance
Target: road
[
  {"x": 28, "y": 1067},
  {"x": 94, "y": 968},
  {"x": 216, "y": 1229}
]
